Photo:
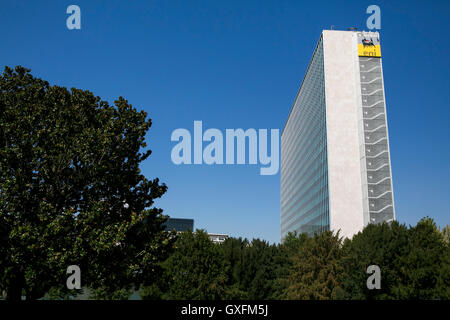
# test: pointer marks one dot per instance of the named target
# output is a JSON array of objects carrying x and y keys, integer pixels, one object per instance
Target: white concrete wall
[{"x": 343, "y": 141}]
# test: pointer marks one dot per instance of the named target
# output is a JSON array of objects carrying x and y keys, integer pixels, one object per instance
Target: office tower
[{"x": 335, "y": 162}]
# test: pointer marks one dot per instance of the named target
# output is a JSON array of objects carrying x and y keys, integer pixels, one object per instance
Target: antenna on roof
[{"x": 332, "y": 27}]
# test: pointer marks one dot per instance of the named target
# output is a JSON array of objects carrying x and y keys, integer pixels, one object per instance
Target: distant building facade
[
  {"x": 217, "y": 238},
  {"x": 182, "y": 225},
  {"x": 179, "y": 225}
]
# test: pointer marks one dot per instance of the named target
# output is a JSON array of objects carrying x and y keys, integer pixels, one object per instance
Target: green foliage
[
  {"x": 196, "y": 269},
  {"x": 105, "y": 293},
  {"x": 377, "y": 244},
  {"x": 316, "y": 269},
  {"x": 152, "y": 292},
  {"x": 252, "y": 268},
  {"x": 56, "y": 293},
  {"x": 232, "y": 250},
  {"x": 446, "y": 234},
  {"x": 425, "y": 266},
  {"x": 286, "y": 253},
  {"x": 414, "y": 262},
  {"x": 68, "y": 163}
]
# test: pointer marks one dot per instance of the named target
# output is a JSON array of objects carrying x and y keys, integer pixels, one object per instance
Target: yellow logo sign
[{"x": 367, "y": 48}]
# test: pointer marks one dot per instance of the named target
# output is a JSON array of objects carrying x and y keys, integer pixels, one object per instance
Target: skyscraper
[{"x": 335, "y": 161}]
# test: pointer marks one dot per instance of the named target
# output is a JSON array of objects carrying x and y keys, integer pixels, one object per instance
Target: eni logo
[
  {"x": 369, "y": 46},
  {"x": 367, "y": 43}
]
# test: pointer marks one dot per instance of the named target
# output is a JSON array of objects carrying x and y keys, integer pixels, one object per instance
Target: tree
[
  {"x": 414, "y": 262},
  {"x": 196, "y": 270},
  {"x": 259, "y": 274},
  {"x": 446, "y": 234},
  {"x": 287, "y": 251},
  {"x": 252, "y": 268},
  {"x": 425, "y": 267},
  {"x": 233, "y": 253},
  {"x": 71, "y": 191},
  {"x": 377, "y": 244},
  {"x": 316, "y": 269}
]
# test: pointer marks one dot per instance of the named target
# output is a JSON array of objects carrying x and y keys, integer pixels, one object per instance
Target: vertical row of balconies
[{"x": 380, "y": 198}]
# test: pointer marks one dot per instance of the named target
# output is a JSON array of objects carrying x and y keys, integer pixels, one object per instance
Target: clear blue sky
[{"x": 238, "y": 64}]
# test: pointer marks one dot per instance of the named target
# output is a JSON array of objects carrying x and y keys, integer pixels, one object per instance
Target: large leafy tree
[
  {"x": 425, "y": 268},
  {"x": 195, "y": 270},
  {"x": 233, "y": 252},
  {"x": 414, "y": 262},
  {"x": 71, "y": 191},
  {"x": 287, "y": 252},
  {"x": 377, "y": 244},
  {"x": 252, "y": 268},
  {"x": 316, "y": 269},
  {"x": 259, "y": 269}
]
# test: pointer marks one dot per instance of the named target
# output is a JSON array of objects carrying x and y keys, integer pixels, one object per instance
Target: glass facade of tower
[{"x": 304, "y": 175}]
